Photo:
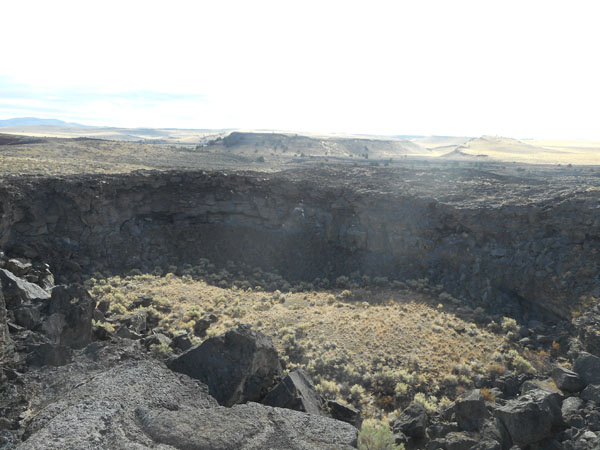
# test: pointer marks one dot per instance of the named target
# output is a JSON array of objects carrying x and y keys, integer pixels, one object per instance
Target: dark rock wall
[
  {"x": 4, "y": 337},
  {"x": 542, "y": 252}
]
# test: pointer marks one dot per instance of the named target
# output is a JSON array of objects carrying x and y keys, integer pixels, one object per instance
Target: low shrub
[{"x": 376, "y": 435}]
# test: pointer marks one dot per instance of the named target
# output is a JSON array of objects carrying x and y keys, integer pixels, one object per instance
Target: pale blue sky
[{"x": 513, "y": 68}]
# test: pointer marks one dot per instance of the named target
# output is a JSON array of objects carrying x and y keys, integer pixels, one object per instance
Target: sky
[{"x": 522, "y": 68}]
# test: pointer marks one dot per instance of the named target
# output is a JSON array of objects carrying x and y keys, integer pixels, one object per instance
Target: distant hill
[
  {"x": 334, "y": 146},
  {"x": 35, "y": 121}
]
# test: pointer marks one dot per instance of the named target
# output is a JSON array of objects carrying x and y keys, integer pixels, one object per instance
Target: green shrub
[
  {"x": 107, "y": 326},
  {"x": 401, "y": 389},
  {"x": 509, "y": 325},
  {"x": 357, "y": 394},
  {"x": 430, "y": 403},
  {"x": 345, "y": 294},
  {"x": 160, "y": 350},
  {"x": 519, "y": 363},
  {"x": 328, "y": 389},
  {"x": 376, "y": 435},
  {"x": 117, "y": 308}
]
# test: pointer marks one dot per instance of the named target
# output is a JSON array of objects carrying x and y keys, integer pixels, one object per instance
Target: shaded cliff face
[
  {"x": 5, "y": 342},
  {"x": 489, "y": 238}
]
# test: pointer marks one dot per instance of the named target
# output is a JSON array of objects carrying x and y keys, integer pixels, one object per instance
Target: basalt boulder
[
  {"x": 587, "y": 366},
  {"x": 181, "y": 342},
  {"x": 532, "y": 417},
  {"x": 412, "y": 422},
  {"x": 591, "y": 393},
  {"x": 19, "y": 267},
  {"x": 73, "y": 310},
  {"x": 567, "y": 380},
  {"x": 238, "y": 366},
  {"x": 470, "y": 411},
  {"x": 204, "y": 324},
  {"x": 142, "y": 404},
  {"x": 48, "y": 354},
  {"x": 18, "y": 291},
  {"x": 345, "y": 413},
  {"x": 29, "y": 315},
  {"x": 296, "y": 391}
]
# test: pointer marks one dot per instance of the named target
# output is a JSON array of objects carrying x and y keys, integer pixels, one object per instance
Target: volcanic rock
[
  {"x": 113, "y": 409},
  {"x": 470, "y": 410},
  {"x": 566, "y": 379},
  {"x": 531, "y": 417},
  {"x": 76, "y": 307},
  {"x": 239, "y": 366},
  {"x": 412, "y": 422},
  {"x": 5, "y": 342},
  {"x": 296, "y": 391},
  {"x": 587, "y": 366},
  {"x": 18, "y": 291}
]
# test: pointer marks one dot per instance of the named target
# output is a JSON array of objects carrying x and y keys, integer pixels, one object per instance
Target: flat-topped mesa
[{"x": 483, "y": 236}]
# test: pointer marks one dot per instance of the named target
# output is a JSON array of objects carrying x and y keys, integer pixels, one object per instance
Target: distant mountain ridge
[{"x": 35, "y": 121}]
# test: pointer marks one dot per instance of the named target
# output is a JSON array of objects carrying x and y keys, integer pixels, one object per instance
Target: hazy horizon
[{"x": 466, "y": 68}]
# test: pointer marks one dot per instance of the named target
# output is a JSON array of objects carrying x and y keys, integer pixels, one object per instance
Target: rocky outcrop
[
  {"x": 74, "y": 307},
  {"x": 412, "y": 422},
  {"x": 591, "y": 393},
  {"x": 5, "y": 342},
  {"x": 538, "y": 419},
  {"x": 65, "y": 391},
  {"x": 249, "y": 427},
  {"x": 587, "y": 326},
  {"x": 18, "y": 291},
  {"x": 531, "y": 418},
  {"x": 567, "y": 380},
  {"x": 470, "y": 411},
  {"x": 45, "y": 327},
  {"x": 506, "y": 241},
  {"x": 571, "y": 411},
  {"x": 239, "y": 366},
  {"x": 345, "y": 413},
  {"x": 142, "y": 404},
  {"x": 296, "y": 391},
  {"x": 588, "y": 368}
]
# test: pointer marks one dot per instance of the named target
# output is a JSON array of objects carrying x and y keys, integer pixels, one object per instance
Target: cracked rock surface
[{"x": 141, "y": 404}]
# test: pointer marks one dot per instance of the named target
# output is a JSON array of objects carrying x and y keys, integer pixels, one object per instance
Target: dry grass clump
[
  {"x": 375, "y": 435},
  {"x": 378, "y": 348}
]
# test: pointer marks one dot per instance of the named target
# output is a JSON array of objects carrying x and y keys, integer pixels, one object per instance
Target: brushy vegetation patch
[
  {"x": 376, "y": 435},
  {"x": 378, "y": 347}
]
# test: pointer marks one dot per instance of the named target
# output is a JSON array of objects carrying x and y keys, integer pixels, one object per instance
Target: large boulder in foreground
[
  {"x": 532, "y": 417},
  {"x": 250, "y": 426},
  {"x": 239, "y": 366},
  {"x": 296, "y": 391},
  {"x": 142, "y": 404}
]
